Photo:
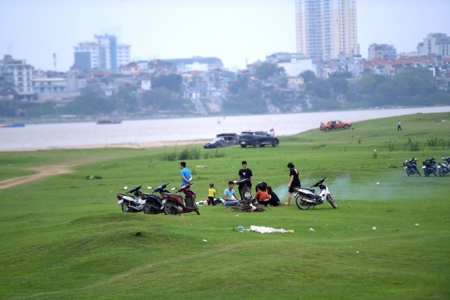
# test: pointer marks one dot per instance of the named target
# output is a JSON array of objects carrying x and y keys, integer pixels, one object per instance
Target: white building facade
[{"x": 104, "y": 54}]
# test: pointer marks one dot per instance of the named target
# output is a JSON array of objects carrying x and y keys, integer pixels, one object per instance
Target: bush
[{"x": 187, "y": 153}]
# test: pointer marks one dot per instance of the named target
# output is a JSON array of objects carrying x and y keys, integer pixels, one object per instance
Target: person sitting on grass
[
  {"x": 262, "y": 196},
  {"x": 274, "y": 200},
  {"x": 229, "y": 195}
]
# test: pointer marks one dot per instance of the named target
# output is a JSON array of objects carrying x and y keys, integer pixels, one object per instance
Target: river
[{"x": 152, "y": 132}]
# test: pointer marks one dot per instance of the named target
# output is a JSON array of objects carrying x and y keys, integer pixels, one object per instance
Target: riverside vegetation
[{"x": 65, "y": 237}]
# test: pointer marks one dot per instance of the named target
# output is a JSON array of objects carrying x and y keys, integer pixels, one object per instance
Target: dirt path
[{"x": 41, "y": 172}]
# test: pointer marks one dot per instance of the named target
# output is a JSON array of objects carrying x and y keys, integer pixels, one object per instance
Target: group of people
[{"x": 264, "y": 194}]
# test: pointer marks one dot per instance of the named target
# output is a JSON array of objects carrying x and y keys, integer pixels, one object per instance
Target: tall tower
[{"x": 325, "y": 28}]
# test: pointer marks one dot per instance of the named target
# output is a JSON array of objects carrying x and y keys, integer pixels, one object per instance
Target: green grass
[{"x": 64, "y": 237}]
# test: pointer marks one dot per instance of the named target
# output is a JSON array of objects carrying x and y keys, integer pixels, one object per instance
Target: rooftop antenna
[{"x": 54, "y": 61}]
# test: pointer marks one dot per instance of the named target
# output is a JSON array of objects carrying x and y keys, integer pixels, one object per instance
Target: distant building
[
  {"x": 325, "y": 28},
  {"x": 381, "y": 51},
  {"x": 194, "y": 62},
  {"x": 20, "y": 75},
  {"x": 435, "y": 43},
  {"x": 293, "y": 63},
  {"x": 104, "y": 54}
]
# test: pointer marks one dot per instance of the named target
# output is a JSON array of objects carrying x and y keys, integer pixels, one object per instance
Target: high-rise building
[
  {"x": 435, "y": 43},
  {"x": 104, "y": 54},
  {"x": 325, "y": 28}
]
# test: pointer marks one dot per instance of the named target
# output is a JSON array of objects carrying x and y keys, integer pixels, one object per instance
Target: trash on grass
[{"x": 263, "y": 229}]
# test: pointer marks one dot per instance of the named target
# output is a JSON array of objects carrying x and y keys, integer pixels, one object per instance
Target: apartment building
[
  {"x": 326, "y": 28},
  {"x": 20, "y": 75},
  {"x": 435, "y": 43},
  {"x": 103, "y": 54},
  {"x": 381, "y": 51}
]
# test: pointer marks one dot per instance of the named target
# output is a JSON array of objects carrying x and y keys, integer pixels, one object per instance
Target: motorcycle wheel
[
  {"x": 126, "y": 208},
  {"x": 426, "y": 173},
  {"x": 303, "y": 205},
  {"x": 149, "y": 209},
  {"x": 408, "y": 173},
  {"x": 170, "y": 209},
  {"x": 435, "y": 172},
  {"x": 256, "y": 144},
  {"x": 196, "y": 209},
  {"x": 331, "y": 200}
]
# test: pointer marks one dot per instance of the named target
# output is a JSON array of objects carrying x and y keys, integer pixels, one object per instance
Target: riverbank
[{"x": 166, "y": 132}]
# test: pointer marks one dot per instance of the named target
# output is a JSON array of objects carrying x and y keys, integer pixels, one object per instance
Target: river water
[{"x": 75, "y": 135}]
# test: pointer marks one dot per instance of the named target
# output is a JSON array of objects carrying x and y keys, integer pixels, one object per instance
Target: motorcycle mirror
[
  {"x": 443, "y": 157},
  {"x": 235, "y": 181},
  {"x": 149, "y": 187},
  {"x": 173, "y": 189},
  {"x": 125, "y": 188}
]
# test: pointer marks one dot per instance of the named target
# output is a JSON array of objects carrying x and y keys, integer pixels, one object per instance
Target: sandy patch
[{"x": 41, "y": 172}]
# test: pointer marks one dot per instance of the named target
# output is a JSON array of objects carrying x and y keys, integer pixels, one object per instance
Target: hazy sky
[{"x": 233, "y": 30}]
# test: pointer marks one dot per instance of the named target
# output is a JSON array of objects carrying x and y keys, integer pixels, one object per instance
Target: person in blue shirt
[
  {"x": 186, "y": 176},
  {"x": 229, "y": 195}
]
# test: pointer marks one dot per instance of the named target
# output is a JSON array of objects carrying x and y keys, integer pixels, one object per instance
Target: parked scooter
[
  {"x": 444, "y": 167},
  {"x": 429, "y": 166},
  {"x": 410, "y": 167},
  {"x": 245, "y": 191},
  {"x": 131, "y": 202},
  {"x": 153, "y": 204},
  {"x": 175, "y": 204},
  {"x": 305, "y": 198}
]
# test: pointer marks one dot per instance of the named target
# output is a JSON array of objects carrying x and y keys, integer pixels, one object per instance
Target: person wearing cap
[{"x": 229, "y": 195}]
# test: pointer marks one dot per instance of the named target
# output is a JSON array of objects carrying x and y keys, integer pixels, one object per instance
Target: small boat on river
[{"x": 12, "y": 125}]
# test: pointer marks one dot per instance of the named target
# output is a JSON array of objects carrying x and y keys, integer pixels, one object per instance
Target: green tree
[
  {"x": 126, "y": 100},
  {"x": 89, "y": 103},
  {"x": 238, "y": 85},
  {"x": 369, "y": 82},
  {"x": 266, "y": 69},
  {"x": 162, "y": 99},
  {"x": 308, "y": 76},
  {"x": 171, "y": 82},
  {"x": 249, "y": 101}
]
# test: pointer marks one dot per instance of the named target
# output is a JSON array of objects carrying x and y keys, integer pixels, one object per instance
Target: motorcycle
[
  {"x": 175, "y": 204},
  {"x": 429, "y": 166},
  {"x": 410, "y": 167},
  {"x": 153, "y": 204},
  {"x": 305, "y": 198},
  {"x": 444, "y": 167},
  {"x": 131, "y": 202},
  {"x": 245, "y": 191}
]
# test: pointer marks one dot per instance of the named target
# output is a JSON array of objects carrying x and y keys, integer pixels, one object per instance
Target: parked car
[
  {"x": 222, "y": 140},
  {"x": 335, "y": 125},
  {"x": 257, "y": 139}
]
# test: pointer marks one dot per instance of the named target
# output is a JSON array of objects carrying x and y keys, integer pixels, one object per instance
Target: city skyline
[{"x": 234, "y": 31}]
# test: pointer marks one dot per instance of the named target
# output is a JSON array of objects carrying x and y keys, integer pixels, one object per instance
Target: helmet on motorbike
[{"x": 416, "y": 159}]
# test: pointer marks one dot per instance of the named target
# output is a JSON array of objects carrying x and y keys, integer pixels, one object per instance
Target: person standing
[
  {"x": 294, "y": 181},
  {"x": 399, "y": 126},
  {"x": 243, "y": 174},
  {"x": 185, "y": 173},
  {"x": 229, "y": 195},
  {"x": 211, "y": 194}
]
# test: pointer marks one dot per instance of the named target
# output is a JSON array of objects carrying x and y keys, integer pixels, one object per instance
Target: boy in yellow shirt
[{"x": 211, "y": 194}]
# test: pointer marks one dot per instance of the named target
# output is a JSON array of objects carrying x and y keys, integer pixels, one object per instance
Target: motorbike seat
[{"x": 311, "y": 190}]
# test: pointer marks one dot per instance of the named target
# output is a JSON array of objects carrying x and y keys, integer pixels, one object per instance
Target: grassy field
[{"x": 65, "y": 237}]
